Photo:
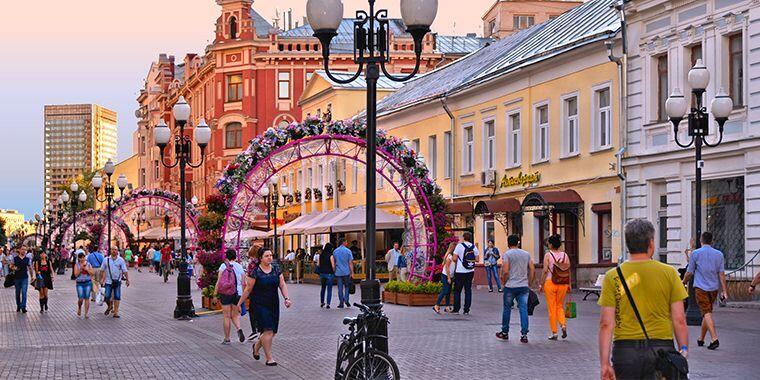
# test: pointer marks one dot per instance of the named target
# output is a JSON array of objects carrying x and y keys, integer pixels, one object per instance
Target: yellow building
[
  {"x": 129, "y": 168},
  {"x": 14, "y": 221},
  {"x": 323, "y": 96},
  {"x": 523, "y": 137}
]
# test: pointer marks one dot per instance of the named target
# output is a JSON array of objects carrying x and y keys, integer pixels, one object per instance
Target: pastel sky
[{"x": 99, "y": 51}]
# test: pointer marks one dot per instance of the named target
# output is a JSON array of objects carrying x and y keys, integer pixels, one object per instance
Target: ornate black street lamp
[
  {"x": 138, "y": 219},
  {"x": 372, "y": 34},
  {"x": 166, "y": 225},
  {"x": 272, "y": 200},
  {"x": 97, "y": 183},
  {"x": 74, "y": 187},
  {"x": 182, "y": 145},
  {"x": 698, "y": 130}
]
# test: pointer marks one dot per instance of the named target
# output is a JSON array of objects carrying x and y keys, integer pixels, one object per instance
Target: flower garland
[
  {"x": 262, "y": 146},
  {"x": 139, "y": 193}
]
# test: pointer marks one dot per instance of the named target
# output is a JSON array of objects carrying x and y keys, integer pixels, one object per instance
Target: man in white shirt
[
  {"x": 290, "y": 256},
  {"x": 115, "y": 269},
  {"x": 466, "y": 255},
  {"x": 392, "y": 259}
]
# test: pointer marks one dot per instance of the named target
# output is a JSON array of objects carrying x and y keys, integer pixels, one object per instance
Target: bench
[{"x": 595, "y": 290}]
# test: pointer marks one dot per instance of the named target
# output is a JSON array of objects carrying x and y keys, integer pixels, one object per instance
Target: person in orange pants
[{"x": 555, "y": 282}]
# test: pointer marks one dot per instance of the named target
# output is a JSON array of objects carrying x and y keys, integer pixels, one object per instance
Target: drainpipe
[
  {"x": 622, "y": 63},
  {"x": 446, "y": 108}
]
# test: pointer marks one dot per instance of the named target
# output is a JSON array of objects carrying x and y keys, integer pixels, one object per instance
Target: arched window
[
  {"x": 233, "y": 135},
  {"x": 233, "y": 28}
]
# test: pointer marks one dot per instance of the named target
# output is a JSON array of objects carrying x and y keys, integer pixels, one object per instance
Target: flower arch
[{"x": 278, "y": 148}]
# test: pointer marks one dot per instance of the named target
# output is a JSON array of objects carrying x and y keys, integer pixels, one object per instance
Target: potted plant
[
  {"x": 209, "y": 299},
  {"x": 411, "y": 294}
]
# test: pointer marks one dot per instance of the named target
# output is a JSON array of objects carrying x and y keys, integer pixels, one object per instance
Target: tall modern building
[{"x": 78, "y": 138}]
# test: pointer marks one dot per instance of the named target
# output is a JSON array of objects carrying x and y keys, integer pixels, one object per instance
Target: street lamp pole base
[
  {"x": 184, "y": 309},
  {"x": 371, "y": 298}
]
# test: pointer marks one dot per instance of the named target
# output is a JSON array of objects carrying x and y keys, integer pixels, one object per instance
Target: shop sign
[{"x": 522, "y": 179}]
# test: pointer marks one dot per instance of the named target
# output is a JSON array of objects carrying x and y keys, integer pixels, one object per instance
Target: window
[
  {"x": 142, "y": 177},
  {"x": 233, "y": 28},
  {"x": 662, "y": 86},
  {"x": 514, "y": 145},
  {"x": 489, "y": 133},
  {"x": 309, "y": 177},
  {"x": 433, "y": 156},
  {"x": 355, "y": 174},
  {"x": 492, "y": 27},
  {"x": 299, "y": 180},
  {"x": 342, "y": 172},
  {"x": 541, "y": 143},
  {"x": 234, "y": 88},
  {"x": 468, "y": 150},
  {"x": 416, "y": 145},
  {"x": 603, "y": 119},
  {"x": 156, "y": 172},
  {"x": 233, "y": 135},
  {"x": 736, "y": 67},
  {"x": 489, "y": 231},
  {"x": 522, "y": 22},
  {"x": 320, "y": 177},
  {"x": 283, "y": 85},
  {"x": 604, "y": 236},
  {"x": 447, "y": 155},
  {"x": 570, "y": 135},
  {"x": 695, "y": 53}
]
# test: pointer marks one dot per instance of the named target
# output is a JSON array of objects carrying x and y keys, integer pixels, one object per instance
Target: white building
[{"x": 665, "y": 38}]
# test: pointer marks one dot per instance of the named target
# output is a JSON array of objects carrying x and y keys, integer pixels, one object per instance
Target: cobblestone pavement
[{"x": 147, "y": 343}]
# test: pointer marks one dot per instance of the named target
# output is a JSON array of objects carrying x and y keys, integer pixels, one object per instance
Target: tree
[
  {"x": 3, "y": 238},
  {"x": 84, "y": 181}
]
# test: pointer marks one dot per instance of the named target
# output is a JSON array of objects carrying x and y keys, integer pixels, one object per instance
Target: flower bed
[{"x": 411, "y": 294}]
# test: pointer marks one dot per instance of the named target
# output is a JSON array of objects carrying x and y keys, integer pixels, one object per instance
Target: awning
[
  {"x": 493, "y": 206},
  {"x": 305, "y": 223},
  {"x": 462, "y": 207},
  {"x": 247, "y": 235},
  {"x": 545, "y": 198},
  {"x": 601, "y": 207},
  {"x": 354, "y": 219},
  {"x": 155, "y": 233}
]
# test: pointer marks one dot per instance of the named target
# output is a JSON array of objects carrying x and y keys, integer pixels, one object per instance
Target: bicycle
[{"x": 357, "y": 357}]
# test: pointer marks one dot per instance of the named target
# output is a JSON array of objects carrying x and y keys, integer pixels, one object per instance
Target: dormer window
[{"x": 233, "y": 28}]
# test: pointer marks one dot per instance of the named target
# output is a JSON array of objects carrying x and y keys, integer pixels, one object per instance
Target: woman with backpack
[
  {"x": 556, "y": 284},
  {"x": 491, "y": 263},
  {"x": 229, "y": 287}
]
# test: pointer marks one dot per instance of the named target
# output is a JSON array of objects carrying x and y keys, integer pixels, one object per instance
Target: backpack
[
  {"x": 401, "y": 263},
  {"x": 560, "y": 271},
  {"x": 228, "y": 281},
  {"x": 468, "y": 257}
]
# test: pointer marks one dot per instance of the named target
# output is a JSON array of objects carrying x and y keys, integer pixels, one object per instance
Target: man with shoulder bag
[
  {"x": 642, "y": 310},
  {"x": 466, "y": 255}
]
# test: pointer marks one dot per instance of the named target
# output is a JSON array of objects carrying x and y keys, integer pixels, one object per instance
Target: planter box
[
  {"x": 211, "y": 303},
  {"x": 409, "y": 299}
]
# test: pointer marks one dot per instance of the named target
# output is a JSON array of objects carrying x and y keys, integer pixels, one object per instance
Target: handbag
[
  {"x": 351, "y": 287},
  {"x": 670, "y": 363},
  {"x": 38, "y": 282},
  {"x": 9, "y": 280},
  {"x": 571, "y": 310}
]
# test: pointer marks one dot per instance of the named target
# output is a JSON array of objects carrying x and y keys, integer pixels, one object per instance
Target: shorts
[
  {"x": 113, "y": 290},
  {"x": 705, "y": 300},
  {"x": 84, "y": 289},
  {"x": 229, "y": 299}
]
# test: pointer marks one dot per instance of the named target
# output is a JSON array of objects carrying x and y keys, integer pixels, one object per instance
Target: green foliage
[
  {"x": 3, "y": 238},
  {"x": 209, "y": 291},
  {"x": 84, "y": 180},
  {"x": 412, "y": 288},
  {"x": 211, "y": 221}
]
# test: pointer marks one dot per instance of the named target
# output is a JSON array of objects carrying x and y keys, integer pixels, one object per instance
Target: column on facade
[{"x": 679, "y": 231}]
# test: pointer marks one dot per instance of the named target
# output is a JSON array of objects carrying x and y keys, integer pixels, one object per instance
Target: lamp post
[
  {"x": 272, "y": 199},
  {"x": 81, "y": 198},
  {"x": 182, "y": 145},
  {"x": 97, "y": 183},
  {"x": 371, "y": 50},
  {"x": 166, "y": 225},
  {"x": 138, "y": 219},
  {"x": 698, "y": 130}
]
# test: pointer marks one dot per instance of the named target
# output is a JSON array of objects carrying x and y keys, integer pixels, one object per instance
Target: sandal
[
  {"x": 271, "y": 364},
  {"x": 437, "y": 309}
]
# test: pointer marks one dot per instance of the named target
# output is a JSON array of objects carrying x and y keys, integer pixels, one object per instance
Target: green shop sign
[{"x": 522, "y": 179}]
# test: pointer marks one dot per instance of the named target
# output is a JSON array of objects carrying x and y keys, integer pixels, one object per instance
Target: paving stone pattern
[{"x": 146, "y": 343}]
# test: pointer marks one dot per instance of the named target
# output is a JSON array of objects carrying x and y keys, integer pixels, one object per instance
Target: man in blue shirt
[
  {"x": 343, "y": 262},
  {"x": 95, "y": 259},
  {"x": 706, "y": 265}
]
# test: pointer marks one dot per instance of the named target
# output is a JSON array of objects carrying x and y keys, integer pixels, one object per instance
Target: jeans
[
  {"x": 632, "y": 359},
  {"x": 114, "y": 290},
  {"x": 493, "y": 271},
  {"x": 327, "y": 283},
  {"x": 21, "y": 284},
  {"x": 445, "y": 291},
  {"x": 463, "y": 281},
  {"x": 510, "y": 294},
  {"x": 343, "y": 289},
  {"x": 84, "y": 289}
]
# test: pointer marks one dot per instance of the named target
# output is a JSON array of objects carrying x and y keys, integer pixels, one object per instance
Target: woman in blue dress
[{"x": 264, "y": 282}]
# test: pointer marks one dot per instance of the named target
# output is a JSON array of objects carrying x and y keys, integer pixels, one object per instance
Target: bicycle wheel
[{"x": 372, "y": 365}]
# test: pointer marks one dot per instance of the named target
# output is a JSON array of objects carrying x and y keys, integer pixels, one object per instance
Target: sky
[{"x": 99, "y": 51}]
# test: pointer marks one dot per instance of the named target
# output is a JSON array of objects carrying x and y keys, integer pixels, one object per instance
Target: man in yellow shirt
[{"x": 658, "y": 293}]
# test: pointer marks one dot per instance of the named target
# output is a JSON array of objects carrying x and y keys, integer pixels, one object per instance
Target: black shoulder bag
[{"x": 670, "y": 363}]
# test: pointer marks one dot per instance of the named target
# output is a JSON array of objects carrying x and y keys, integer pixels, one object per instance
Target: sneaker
[
  {"x": 553, "y": 337},
  {"x": 524, "y": 339},
  {"x": 564, "y": 332},
  {"x": 348, "y": 306},
  {"x": 713, "y": 345},
  {"x": 327, "y": 307},
  {"x": 226, "y": 342},
  {"x": 340, "y": 306},
  {"x": 502, "y": 335},
  {"x": 466, "y": 312},
  {"x": 490, "y": 290},
  {"x": 501, "y": 290},
  {"x": 23, "y": 310},
  {"x": 241, "y": 336},
  {"x": 322, "y": 305}
]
